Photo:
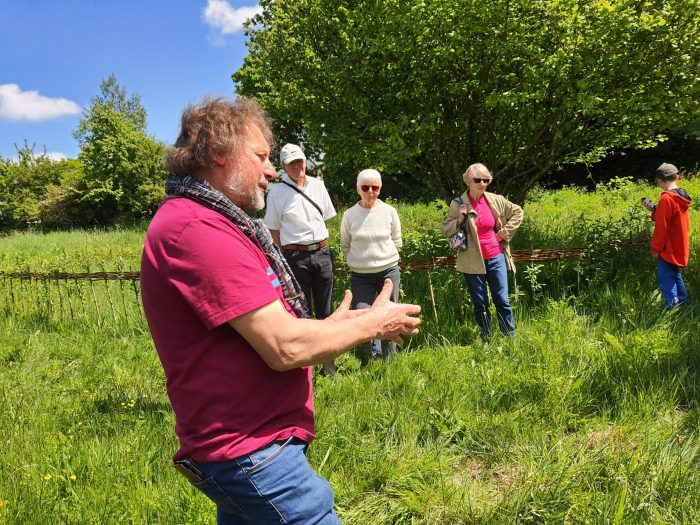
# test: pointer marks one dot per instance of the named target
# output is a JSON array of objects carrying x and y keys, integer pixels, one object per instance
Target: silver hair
[{"x": 368, "y": 174}]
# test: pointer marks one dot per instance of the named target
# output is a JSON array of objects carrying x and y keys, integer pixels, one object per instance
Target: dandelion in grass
[
  {"x": 47, "y": 476},
  {"x": 72, "y": 477}
]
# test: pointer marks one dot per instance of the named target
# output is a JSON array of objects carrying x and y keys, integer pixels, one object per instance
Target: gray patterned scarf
[{"x": 201, "y": 191}]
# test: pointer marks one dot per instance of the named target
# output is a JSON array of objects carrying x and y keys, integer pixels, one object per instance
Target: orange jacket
[{"x": 671, "y": 218}]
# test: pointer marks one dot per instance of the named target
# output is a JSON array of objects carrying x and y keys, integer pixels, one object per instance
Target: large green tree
[
  {"x": 421, "y": 88},
  {"x": 122, "y": 164}
]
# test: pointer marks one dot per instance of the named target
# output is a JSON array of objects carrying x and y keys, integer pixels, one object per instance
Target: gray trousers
[{"x": 365, "y": 287}]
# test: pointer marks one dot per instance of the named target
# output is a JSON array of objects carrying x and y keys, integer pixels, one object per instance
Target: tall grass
[{"x": 590, "y": 416}]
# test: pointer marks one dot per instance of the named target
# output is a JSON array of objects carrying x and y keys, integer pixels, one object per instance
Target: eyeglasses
[
  {"x": 482, "y": 181},
  {"x": 366, "y": 187}
]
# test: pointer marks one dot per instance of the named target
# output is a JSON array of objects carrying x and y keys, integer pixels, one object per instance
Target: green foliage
[
  {"x": 124, "y": 175},
  {"x": 555, "y": 427},
  {"x": 113, "y": 97},
  {"x": 590, "y": 416},
  {"x": 25, "y": 184},
  {"x": 122, "y": 165},
  {"x": 117, "y": 178},
  {"x": 521, "y": 86}
]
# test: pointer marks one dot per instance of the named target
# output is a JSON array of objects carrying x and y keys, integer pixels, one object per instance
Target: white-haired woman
[
  {"x": 491, "y": 222},
  {"x": 370, "y": 239}
]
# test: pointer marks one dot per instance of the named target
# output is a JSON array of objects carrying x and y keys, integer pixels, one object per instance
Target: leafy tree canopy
[
  {"x": 123, "y": 166},
  {"x": 419, "y": 89},
  {"x": 24, "y": 184},
  {"x": 112, "y": 97}
]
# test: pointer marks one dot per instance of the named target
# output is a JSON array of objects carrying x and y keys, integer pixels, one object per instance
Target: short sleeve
[
  {"x": 328, "y": 209},
  {"x": 273, "y": 211},
  {"x": 219, "y": 272}
]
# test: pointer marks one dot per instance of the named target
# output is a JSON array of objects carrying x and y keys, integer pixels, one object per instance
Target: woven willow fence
[
  {"x": 112, "y": 299},
  {"x": 102, "y": 298}
]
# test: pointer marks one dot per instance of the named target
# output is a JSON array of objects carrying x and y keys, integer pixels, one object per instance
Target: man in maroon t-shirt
[{"x": 222, "y": 314}]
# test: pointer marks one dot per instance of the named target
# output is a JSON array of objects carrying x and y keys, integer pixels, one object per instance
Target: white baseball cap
[{"x": 291, "y": 152}]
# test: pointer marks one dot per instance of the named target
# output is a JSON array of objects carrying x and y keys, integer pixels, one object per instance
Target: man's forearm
[{"x": 285, "y": 342}]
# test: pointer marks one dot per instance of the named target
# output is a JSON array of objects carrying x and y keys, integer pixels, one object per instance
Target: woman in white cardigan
[{"x": 370, "y": 239}]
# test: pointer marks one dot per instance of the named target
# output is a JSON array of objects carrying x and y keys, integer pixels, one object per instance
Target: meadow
[{"x": 590, "y": 416}]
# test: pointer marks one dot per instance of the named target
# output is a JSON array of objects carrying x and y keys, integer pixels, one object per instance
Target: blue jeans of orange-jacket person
[
  {"x": 496, "y": 278},
  {"x": 671, "y": 283}
]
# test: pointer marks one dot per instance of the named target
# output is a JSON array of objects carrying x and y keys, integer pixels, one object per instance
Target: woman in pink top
[{"x": 490, "y": 222}]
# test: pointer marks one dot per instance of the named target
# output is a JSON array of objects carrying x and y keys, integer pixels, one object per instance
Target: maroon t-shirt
[{"x": 199, "y": 271}]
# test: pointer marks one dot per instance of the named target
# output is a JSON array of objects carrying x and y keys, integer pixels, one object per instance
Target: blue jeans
[
  {"x": 497, "y": 279},
  {"x": 273, "y": 485},
  {"x": 671, "y": 283}
]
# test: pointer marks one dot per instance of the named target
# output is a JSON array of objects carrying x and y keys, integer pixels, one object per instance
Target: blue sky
[{"x": 54, "y": 55}]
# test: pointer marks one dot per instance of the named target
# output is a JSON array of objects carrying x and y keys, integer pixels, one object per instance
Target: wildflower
[
  {"x": 72, "y": 477},
  {"x": 47, "y": 476}
]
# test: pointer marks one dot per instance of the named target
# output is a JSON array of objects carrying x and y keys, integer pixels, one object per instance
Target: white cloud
[
  {"x": 56, "y": 155},
  {"x": 224, "y": 18},
  {"x": 16, "y": 104}
]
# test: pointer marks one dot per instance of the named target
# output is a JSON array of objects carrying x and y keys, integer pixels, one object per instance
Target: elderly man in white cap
[{"x": 297, "y": 210}]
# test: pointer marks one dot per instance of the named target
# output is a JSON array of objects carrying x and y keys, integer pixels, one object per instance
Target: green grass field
[{"x": 590, "y": 416}]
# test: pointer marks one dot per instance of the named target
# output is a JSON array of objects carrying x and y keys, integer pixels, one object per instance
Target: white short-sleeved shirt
[{"x": 297, "y": 220}]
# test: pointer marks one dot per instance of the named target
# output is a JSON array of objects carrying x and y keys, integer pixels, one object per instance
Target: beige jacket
[{"x": 508, "y": 218}]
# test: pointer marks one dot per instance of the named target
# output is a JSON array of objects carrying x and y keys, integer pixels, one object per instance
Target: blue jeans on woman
[
  {"x": 497, "y": 279},
  {"x": 273, "y": 485},
  {"x": 671, "y": 283}
]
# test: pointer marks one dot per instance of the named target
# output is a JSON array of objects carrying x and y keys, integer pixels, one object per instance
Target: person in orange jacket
[{"x": 669, "y": 243}]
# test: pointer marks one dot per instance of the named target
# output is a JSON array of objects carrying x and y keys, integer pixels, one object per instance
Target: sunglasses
[
  {"x": 482, "y": 181},
  {"x": 366, "y": 187}
]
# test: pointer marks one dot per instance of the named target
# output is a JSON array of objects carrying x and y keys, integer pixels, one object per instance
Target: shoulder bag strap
[
  {"x": 305, "y": 196},
  {"x": 464, "y": 221}
]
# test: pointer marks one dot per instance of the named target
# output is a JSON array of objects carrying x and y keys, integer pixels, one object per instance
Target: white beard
[{"x": 249, "y": 200}]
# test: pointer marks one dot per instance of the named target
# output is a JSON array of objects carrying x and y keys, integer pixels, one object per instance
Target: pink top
[
  {"x": 198, "y": 272},
  {"x": 486, "y": 228}
]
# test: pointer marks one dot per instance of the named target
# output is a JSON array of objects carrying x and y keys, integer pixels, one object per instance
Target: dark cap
[{"x": 666, "y": 171}]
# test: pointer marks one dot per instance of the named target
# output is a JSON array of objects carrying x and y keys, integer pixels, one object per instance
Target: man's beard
[{"x": 250, "y": 200}]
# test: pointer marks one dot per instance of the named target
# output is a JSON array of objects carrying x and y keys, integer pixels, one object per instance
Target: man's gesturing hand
[{"x": 393, "y": 319}]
